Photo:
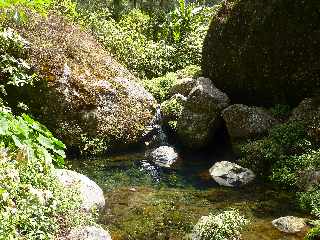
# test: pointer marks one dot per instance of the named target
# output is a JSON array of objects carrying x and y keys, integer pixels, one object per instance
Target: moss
[
  {"x": 264, "y": 52},
  {"x": 84, "y": 96}
]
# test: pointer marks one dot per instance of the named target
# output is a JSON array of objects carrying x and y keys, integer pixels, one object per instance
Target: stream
[{"x": 147, "y": 202}]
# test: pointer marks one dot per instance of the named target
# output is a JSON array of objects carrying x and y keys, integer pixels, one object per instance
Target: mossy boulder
[
  {"x": 201, "y": 115},
  {"x": 85, "y": 97},
  {"x": 264, "y": 52},
  {"x": 245, "y": 122}
]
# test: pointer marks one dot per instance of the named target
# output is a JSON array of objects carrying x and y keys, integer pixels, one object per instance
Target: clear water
[{"x": 146, "y": 202}]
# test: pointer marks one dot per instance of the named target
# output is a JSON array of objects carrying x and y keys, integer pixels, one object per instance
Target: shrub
[
  {"x": 224, "y": 226},
  {"x": 14, "y": 70},
  {"x": 144, "y": 44},
  {"x": 310, "y": 201},
  {"x": 33, "y": 205},
  {"x": 25, "y": 133},
  {"x": 260, "y": 155},
  {"x": 159, "y": 87},
  {"x": 313, "y": 234},
  {"x": 281, "y": 111},
  {"x": 172, "y": 108},
  {"x": 282, "y": 156},
  {"x": 291, "y": 136},
  {"x": 288, "y": 171}
]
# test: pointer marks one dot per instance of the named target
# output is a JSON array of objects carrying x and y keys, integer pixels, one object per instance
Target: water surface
[{"x": 147, "y": 202}]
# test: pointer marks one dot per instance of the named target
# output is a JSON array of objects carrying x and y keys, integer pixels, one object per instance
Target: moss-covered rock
[
  {"x": 245, "y": 122},
  {"x": 85, "y": 97},
  {"x": 264, "y": 52},
  {"x": 201, "y": 115}
]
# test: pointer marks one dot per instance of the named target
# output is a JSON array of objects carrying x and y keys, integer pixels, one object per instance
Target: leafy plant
[
  {"x": 281, "y": 111},
  {"x": 23, "y": 132},
  {"x": 33, "y": 204},
  {"x": 159, "y": 87},
  {"x": 14, "y": 70}
]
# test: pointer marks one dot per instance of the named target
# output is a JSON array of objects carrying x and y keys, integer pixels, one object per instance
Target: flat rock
[
  {"x": 290, "y": 224},
  {"x": 230, "y": 174},
  {"x": 91, "y": 194}
]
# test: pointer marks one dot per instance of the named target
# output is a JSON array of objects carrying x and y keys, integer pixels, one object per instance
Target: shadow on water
[{"x": 145, "y": 201}]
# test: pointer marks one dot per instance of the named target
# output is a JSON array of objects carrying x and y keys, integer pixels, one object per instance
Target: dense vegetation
[
  {"x": 161, "y": 43},
  {"x": 287, "y": 157},
  {"x": 33, "y": 204}
]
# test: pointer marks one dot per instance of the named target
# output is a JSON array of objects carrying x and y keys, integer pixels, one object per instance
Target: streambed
[{"x": 147, "y": 202}]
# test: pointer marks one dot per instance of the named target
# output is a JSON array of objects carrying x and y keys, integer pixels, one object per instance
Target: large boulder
[
  {"x": 247, "y": 122},
  {"x": 264, "y": 52},
  {"x": 308, "y": 111},
  {"x": 230, "y": 174},
  {"x": 84, "y": 96},
  {"x": 91, "y": 194},
  {"x": 89, "y": 233},
  {"x": 290, "y": 224},
  {"x": 201, "y": 114}
]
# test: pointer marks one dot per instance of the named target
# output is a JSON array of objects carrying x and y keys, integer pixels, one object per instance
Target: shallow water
[{"x": 147, "y": 202}]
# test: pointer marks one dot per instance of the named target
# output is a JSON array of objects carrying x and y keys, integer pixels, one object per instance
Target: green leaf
[
  {"x": 17, "y": 141},
  {"x": 4, "y": 126}
]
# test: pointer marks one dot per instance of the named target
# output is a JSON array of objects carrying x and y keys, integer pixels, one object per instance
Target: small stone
[
  {"x": 132, "y": 189},
  {"x": 290, "y": 224}
]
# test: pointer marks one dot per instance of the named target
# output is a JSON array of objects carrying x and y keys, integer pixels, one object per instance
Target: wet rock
[
  {"x": 164, "y": 156},
  {"x": 246, "y": 122},
  {"x": 183, "y": 86},
  {"x": 89, "y": 233},
  {"x": 290, "y": 224},
  {"x": 201, "y": 114},
  {"x": 91, "y": 194},
  {"x": 230, "y": 174},
  {"x": 308, "y": 111}
]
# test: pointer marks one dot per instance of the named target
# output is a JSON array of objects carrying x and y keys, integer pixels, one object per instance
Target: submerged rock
[
  {"x": 290, "y": 224},
  {"x": 201, "y": 114},
  {"x": 90, "y": 193},
  {"x": 245, "y": 122},
  {"x": 230, "y": 174},
  {"x": 85, "y": 97},
  {"x": 89, "y": 233},
  {"x": 164, "y": 156}
]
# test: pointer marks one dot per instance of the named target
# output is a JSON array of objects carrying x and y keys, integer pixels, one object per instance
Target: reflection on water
[{"x": 147, "y": 202}]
